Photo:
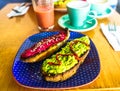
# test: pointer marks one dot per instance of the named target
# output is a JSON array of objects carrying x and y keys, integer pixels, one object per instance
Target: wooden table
[{"x": 14, "y": 31}]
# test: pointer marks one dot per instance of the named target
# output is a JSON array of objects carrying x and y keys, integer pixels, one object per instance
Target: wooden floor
[
  {"x": 118, "y": 6},
  {"x": 4, "y": 2}
]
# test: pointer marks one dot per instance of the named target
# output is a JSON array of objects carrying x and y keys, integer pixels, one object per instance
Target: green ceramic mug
[
  {"x": 99, "y": 6},
  {"x": 78, "y": 11}
]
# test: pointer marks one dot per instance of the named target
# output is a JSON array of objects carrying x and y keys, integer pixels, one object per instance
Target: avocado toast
[{"x": 64, "y": 64}]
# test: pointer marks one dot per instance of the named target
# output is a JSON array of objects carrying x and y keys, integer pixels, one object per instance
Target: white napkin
[
  {"x": 21, "y": 9},
  {"x": 111, "y": 39}
]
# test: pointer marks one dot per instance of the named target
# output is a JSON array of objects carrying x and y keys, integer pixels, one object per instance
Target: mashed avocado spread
[{"x": 67, "y": 62}]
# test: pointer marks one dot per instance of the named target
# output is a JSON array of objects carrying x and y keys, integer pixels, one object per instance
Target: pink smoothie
[{"x": 45, "y": 16}]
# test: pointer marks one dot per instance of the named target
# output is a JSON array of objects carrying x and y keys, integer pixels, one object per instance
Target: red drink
[
  {"x": 45, "y": 16},
  {"x": 44, "y": 10}
]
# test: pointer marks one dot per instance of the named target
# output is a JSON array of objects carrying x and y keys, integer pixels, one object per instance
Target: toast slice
[
  {"x": 65, "y": 63},
  {"x": 45, "y": 47}
]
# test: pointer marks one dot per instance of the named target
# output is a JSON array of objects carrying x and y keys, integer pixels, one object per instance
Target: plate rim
[
  {"x": 106, "y": 15},
  {"x": 74, "y": 30},
  {"x": 63, "y": 88},
  {"x": 61, "y": 9}
]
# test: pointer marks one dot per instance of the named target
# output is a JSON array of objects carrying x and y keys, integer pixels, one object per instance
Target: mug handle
[{"x": 92, "y": 14}]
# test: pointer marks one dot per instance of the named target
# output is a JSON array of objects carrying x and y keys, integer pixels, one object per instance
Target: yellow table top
[{"x": 13, "y": 33}]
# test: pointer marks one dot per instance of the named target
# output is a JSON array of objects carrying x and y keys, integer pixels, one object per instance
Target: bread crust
[{"x": 48, "y": 52}]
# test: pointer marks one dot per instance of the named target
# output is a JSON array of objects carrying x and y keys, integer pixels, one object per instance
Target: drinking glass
[{"x": 44, "y": 10}]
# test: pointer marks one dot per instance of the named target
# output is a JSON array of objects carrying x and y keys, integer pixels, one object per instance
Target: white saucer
[
  {"x": 64, "y": 22},
  {"x": 105, "y": 13}
]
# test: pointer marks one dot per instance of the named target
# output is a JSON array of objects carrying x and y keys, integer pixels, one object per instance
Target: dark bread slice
[
  {"x": 48, "y": 52},
  {"x": 69, "y": 73}
]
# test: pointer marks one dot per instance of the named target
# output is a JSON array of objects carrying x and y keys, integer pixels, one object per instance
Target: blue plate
[
  {"x": 29, "y": 74},
  {"x": 89, "y": 24}
]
